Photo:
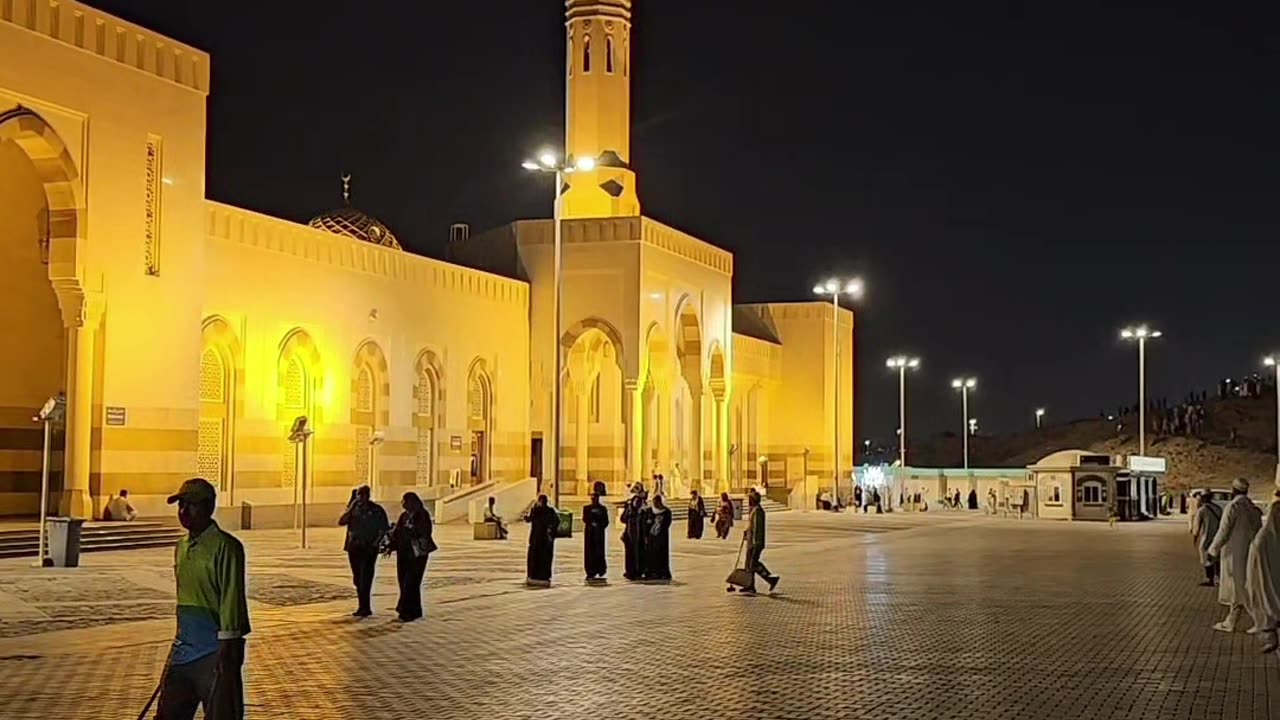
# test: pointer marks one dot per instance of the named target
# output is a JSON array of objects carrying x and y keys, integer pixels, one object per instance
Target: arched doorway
[
  {"x": 40, "y": 209},
  {"x": 219, "y": 372},
  {"x": 593, "y": 397},
  {"x": 687, "y": 461},
  {"x": 479, "y": 422},
  {"x": 370, "y": 396}
]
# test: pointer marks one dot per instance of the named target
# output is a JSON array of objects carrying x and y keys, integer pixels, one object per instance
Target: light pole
[
  {"x": 964, "y": 385},
  {"x": 1270, "y": 361},
  {"x": 1039, "y": 417},
  {"x": 901, "y": 363},
  {"x": 1142, "y": 333},
  {"x": 52, "y": 412},
  {"x": 551, "y": 164},
  {"x": 298, "y": 435},
  {"x": 375, "y": 442},
  {"x": 835, "y": 288}
]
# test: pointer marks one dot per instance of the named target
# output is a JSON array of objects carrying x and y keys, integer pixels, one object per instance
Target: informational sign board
[
  {"x": 1142, "y": 463},
  {"x": 455, "y": 443},
  {"x": 117, "y": 416}
]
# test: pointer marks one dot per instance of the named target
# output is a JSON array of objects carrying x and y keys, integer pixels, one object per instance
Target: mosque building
[{"x": 187, "y": 335}]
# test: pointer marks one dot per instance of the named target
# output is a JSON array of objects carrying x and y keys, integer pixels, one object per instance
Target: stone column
[
  {"x": 662, "y": 429},
  {"x": 81, "y": 313},
  {"x": 581, "y": 441},
  {"x": 695, "y": 420},
  {"x": 720, "y": 436},
  {"x": 635, "y": 430}
]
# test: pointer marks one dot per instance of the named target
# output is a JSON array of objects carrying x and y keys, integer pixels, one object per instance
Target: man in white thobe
[
  {"x": 1240, "y": 523},
  {"x": 1263, "y": 577},
  {"x": 1204, "y": 526}
]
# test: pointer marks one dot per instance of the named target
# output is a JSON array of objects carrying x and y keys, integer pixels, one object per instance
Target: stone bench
[{"x": 485, "y": 531}]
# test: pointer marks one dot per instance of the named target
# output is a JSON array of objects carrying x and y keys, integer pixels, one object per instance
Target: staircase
[{"x": 94, "y": 537}]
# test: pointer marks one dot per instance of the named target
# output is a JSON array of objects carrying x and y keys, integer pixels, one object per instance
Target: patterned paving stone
[{"x": 897, "y": 618}]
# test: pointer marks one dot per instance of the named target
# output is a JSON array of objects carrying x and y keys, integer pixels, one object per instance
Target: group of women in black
[{"x": 646, "y": 537}]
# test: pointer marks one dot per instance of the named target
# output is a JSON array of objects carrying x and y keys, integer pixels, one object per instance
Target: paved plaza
[{"x": 932, "y": 615}]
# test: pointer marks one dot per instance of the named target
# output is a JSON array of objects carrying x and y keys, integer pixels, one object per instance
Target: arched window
[
  {"x": 570, "y": 56},
  {"x": 593, "y": 401},
  {"x": 426, "y": 423},
  {"x": 608, "y": 56},
  {"x": 586, "y": 54},
  {"x": 364, "y": 390},
  {"x": 211, "y": 436},
  {"x": 295, "y": 384}
]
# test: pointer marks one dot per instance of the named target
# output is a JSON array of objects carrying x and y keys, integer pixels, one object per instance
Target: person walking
[
  {"x": 595, "y": 520},
  {"x": 543, "y": 522},
  {"x": 366, "y": 524},
  {"x": 412, "y": 543},
  {"x": 1230, "y": 547},
  {"x": 755, "y": 537},
  {"x": 697, "y": 515},
  {"x": 204, "y": 667},
  {"x": 1204, "y": 527},
  {"x": 724, "y": 516},
  {"x": 1263, "y": 577}
]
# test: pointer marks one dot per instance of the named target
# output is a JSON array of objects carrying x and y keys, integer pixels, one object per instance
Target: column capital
[{"x": 81, "y": 308}]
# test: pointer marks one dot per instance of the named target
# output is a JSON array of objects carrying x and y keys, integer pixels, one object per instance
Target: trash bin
[
  {"x": 64, "y": 541},
  {"x": 565, "y": 528}
]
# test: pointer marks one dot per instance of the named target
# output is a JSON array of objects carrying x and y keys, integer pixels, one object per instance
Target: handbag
[
  {"x": 741, "y": 576},
  {"x": 422, "y": 546}
]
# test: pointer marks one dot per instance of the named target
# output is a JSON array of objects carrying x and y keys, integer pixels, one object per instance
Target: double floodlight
[
  {"x": 1141, "y": 332},
  {"x": 550, "y": 162}
]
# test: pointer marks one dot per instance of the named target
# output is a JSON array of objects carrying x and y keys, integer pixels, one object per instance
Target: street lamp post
[
  {"x": 901, "y": 363},
  {"x": 54, "y": 411},
  {"x": 549, "y": 163},
  {"x": 1039, "y": 417},
  {"x": 964, "y": 385},
  {"x": 1271, "y": 361},
  {"x": 298, "y": 435},
  {"x": 1142, "y": 333},
  {"x": 835, "y": 288}
]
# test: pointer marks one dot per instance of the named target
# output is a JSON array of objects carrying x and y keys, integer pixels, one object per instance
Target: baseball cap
[{"x": 195, "y": 490}]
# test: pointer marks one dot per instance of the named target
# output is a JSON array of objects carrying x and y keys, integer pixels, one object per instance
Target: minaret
[{"x": 598, "y": 109}]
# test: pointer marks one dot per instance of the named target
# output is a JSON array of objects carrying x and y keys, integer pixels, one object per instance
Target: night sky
[{"x": 1014, "y": 181}]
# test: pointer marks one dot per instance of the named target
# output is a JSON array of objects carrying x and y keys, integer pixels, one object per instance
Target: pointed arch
[
  {"x": 63, "y": 187},
  {"x": 428, "y": 414},
  {"x": 480, "y": 424},
  {"x": 370, "y": 403},
  {"x": 221, "y": 404},
  {"x": 299, "y": 381}
]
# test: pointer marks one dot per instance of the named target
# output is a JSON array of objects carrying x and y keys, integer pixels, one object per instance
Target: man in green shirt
[
  {"x": 213, "y": 614},
  {"x": 755, "y": 533}
]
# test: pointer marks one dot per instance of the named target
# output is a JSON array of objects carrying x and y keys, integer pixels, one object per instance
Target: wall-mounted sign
[
  {"x": 1142, "y": 463},
  {"x": 117, "y": 416},
  {"x": 455, "y": 443}
]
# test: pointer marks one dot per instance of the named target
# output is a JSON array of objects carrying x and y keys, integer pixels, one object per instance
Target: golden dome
[{"x": 352, "y": 223}]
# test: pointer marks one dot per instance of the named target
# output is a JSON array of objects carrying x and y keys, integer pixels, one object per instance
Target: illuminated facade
[{"x": 188, "y": 334}]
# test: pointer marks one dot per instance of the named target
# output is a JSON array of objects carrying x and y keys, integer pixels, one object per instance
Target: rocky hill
[{"x": 1236, "y": 439}]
